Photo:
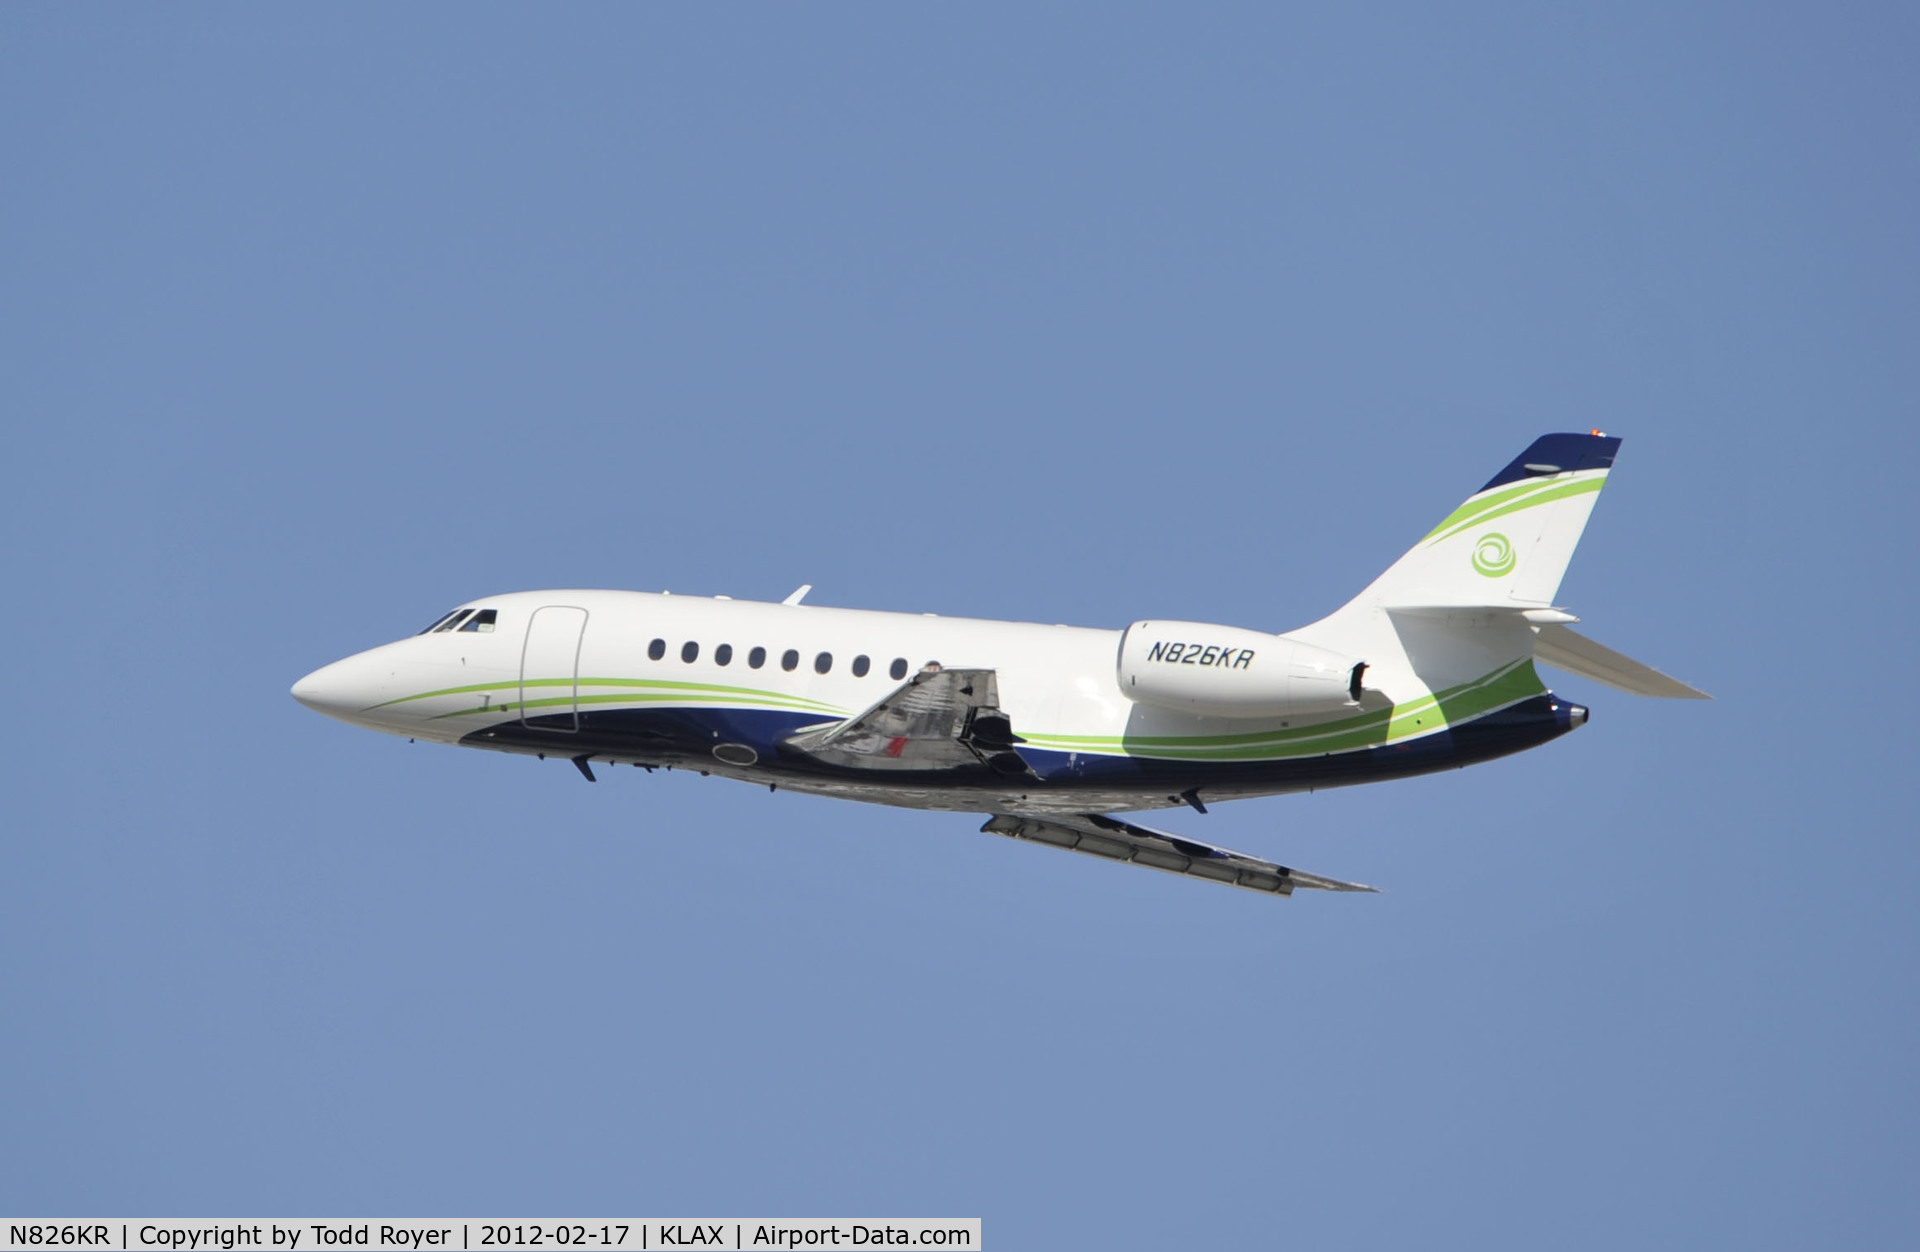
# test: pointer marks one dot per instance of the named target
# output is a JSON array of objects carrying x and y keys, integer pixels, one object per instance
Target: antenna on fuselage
[{"x": 799, "y": 594}]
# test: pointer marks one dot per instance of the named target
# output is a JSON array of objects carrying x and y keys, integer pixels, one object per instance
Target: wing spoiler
[{"x": 940, "y": 719}]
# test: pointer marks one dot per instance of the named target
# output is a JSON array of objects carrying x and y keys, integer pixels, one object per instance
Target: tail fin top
[{"x": 1557, "y": 454}]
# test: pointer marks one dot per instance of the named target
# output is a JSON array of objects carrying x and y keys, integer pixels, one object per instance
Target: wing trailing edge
[{"x": 1096, "y": 834}]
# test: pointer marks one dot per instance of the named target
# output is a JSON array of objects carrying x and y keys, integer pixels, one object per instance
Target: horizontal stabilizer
[
  {"x": 1099, "y": 835},
  {"x": 1573, "y": 652}
]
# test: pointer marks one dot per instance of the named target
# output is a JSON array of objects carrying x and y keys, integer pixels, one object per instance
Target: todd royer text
[{"x": 312, "y": 1235}]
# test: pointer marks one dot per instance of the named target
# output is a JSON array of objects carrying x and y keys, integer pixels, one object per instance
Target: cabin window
[
  {"x": 789, "y": 660},
  {"x": 823, "y": 663},
  {"x": 860, "y": 666},
  {"x": 482, "y": 621},
  {"x": 723, "y": 655},
  {"x": 656, "y": 649},
  {"x": 439, "y": 622},
  {"x": 689, "y": 651},
  {"x": 757, "y": 658},
  {"x": 451, "y": 622},
  {"x": 898, "y": 669}
]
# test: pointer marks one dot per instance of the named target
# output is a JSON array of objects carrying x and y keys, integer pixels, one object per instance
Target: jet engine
[{"x": 1224, "y": 671}]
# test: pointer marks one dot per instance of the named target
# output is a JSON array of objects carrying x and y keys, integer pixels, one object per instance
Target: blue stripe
[{"x": 686, "y": 737}]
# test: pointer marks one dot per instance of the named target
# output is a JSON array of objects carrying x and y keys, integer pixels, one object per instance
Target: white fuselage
[
  {"x": 716, "y": 684},
  {"x": 1052, "y": 676}
]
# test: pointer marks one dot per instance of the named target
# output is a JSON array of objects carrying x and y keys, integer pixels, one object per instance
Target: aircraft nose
[
  {"x": 322, "y": 691},
  {"x": 342, "y": 689}
]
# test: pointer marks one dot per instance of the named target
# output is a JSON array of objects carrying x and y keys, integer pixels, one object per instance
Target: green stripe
[
  {"x": 1315, "y": 730},
  {"x": 1517, "y": 684},
  {"x": 710, "y": 690},
  {"x": 1419, "y": 717},
  {"x": 1269, "y": 737},
  {"x": 1424, "y": 716},
  {"x": 1480, "y": 504},
  {"x": 1545, "y": 495},
  {"x": 678, "y": 701},
  {"x": 1561, "y": 490}
]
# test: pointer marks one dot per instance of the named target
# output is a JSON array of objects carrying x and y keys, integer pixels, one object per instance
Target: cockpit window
[
  {"x": 482, "y": 621},
  {"x": 440, "y": 622},
  {"x": 450, "y": 622}
]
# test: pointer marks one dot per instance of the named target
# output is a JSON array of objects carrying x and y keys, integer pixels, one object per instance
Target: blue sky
[{"x": 321, "y": 321}]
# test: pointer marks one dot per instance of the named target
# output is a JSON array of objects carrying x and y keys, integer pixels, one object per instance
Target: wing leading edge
[{"x": 1098, "y": 835}]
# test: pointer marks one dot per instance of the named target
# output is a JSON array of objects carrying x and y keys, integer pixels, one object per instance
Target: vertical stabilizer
[
  {"x": 1447, "y": 609},
  {"x": 1508, "y": 545}
]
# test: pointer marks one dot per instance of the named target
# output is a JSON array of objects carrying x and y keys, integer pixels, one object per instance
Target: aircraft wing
[
  {"x": 1099, "y": 835},
  {"x": 940, "y": 719},
  {"x": 1575, "y": 653}
]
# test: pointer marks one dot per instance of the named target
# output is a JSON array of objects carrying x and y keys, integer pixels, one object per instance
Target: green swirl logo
[{"x": 1493, "y": 556}]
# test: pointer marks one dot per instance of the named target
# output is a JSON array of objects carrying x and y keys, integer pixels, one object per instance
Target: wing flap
[
  {"x": 1573, "y": 652},
  {"x": 940, "y": 719},
  {"x": 1098, "y": 835}
]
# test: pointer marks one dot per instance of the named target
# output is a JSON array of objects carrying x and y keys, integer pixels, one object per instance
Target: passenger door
[{"x": 550, "y": 669}]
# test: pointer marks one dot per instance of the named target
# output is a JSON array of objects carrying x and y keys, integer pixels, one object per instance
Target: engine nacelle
[{"x": 1224, "y": 671}]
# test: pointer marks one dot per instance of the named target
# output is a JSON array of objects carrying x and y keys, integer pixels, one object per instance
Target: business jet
[{"x": 1045, "y": 730}]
